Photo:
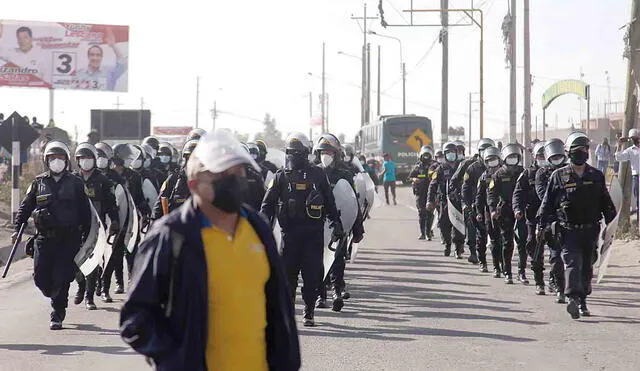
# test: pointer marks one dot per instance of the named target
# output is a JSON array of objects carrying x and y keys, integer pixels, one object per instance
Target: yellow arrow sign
[{"x": 417, "y": 139}]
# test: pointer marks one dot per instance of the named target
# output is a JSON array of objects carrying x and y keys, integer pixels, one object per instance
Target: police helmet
[
  {"x": 439, "y": 153},
  {"x": 104, "y": 150},
  {"x": 189, "y": 147},
  {"x": 425, "y": 150},
  {"x": 538, "y": 149},
  {"x": 296, "y": 142},
  {"x": 86, "y": 150},
  {"x": 633, "y": 133},
  {"x": 449, "y": 147},
  {"x": 165, "y": 149},
  {"x": 349, "y": 151},
  {"x": 149, "y": 150},
  {"x": 460, "y": 146},
  {"x": 554, "y": 148},
  {"x": 262, "y": 146},
  {"x": 55, "y": 147},
  {"x": 511, "y": 150},
  {"x": 124, "y": 154},
  {"x": 576, "y": 139},
  {"x": 152, "y": 142},
  {"x": 490, "y": 153},
  {"x": 196, "y": 134},
  {"x": 328, "y": 142},
  {"x": 485, "y": 143},
  {"x": 254, "y": 150}
]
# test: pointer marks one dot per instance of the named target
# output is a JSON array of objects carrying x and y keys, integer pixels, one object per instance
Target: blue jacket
[{"x": 179, "y": 341}]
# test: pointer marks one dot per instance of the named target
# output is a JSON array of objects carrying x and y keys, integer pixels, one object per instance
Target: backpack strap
[{"x": 177, "y": 241}]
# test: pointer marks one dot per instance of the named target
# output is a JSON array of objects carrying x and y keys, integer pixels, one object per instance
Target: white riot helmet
[
  {"x": 86, "y": 156},
  {"x": 56, "y": 148},
  {"x": 511, "y": 154}
]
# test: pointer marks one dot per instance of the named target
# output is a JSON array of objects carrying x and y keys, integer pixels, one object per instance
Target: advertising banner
[
  {"x": 64, "y": 55},
  {"x": 171, "y": 130}
]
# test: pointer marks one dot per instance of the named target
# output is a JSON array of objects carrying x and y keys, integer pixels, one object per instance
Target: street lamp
[{"x": 402, "y": 69}]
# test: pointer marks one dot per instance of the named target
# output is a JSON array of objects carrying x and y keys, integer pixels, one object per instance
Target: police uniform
[
  {"x": 422, "y": 173},
  {"x": 267, "y": 166},
  {"x": 469, "y": 193},
  {"x": 256, "y": 192},
  {"x": 493, "y": 231},
  {"x": 499, "y": 199},
  {"x": 175, "y": 190},
  {"x": 455, "y": 189},
  {"x": 302, "y": 198},
  {"x": 62, "y": 216},
  {"x": 100, "y": 191},
  {"x": 438, "y": 189}
]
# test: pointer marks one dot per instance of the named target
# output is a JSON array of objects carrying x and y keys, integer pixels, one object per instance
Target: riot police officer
[
  {"x": 491, "y": 157},
  {"x": 256, "y": 190},
  {"x": 174, "y": 191},
  {"x": 265, "y": 165},
  {"x": 556, "y": 158},
  {"x": 349, "y": 156},
  {"x": 438, "y": 189},
  {"x": 526, "y": 204},
  {"x": 165, "y": 154},
  {"x": 578, "y": 195},
  {"x": 153, "y": 144},
  {"x": 62, "y": 217},
  {"x": 328, "y": 150},
  {"x": 499, "y": 198},
  {"x": 421, "y": 175},
  {"x": 195, "y": 134},
  {"x": 303, "y": 199},
  {"x": 99, "y": 189}
]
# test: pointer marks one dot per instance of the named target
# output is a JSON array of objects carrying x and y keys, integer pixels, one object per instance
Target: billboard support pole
[
  {"x": 51, "y": 106},
  {"x": 15, "y": 169},
  {"x": 197, "y": 99}
]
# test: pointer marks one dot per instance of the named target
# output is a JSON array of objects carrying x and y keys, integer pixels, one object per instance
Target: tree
[
  {"x": 457, "y": 132},
  {"x": 270, "y": 134},
  {"x": 341, "y": 138}
]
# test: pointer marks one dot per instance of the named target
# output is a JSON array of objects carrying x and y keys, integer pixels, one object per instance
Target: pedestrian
[
  {"x": 209, "y": 291},
  {"x": 388, "y": 176},
  {"x": 62, "y": 217},
  {"x": 578, "y": 195},
  {"x": 300, "y": 197},
  {"x": 603, "y": 155},
  {"x": 631, "y": 154}
]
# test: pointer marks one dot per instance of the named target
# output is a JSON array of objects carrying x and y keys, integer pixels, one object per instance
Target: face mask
[
  {"x": 511, "y": 161},
  {"x": 230, "y": 191},
  {"x": 102, "y": 162},
  {"x": 136, "y": 164},
  {"x": 57, "y": 165},
  {"x": 557, "y": 161},
  {"x": 578, "y": 157},
  {"x": 86, "y": 164},
  {"x": 326, "y": 160},
  {"x": 147, "y": 163},
  {"x": 425, "y": 159},
  {"x": 362, "y": 163},
  {"x": 493, "y": 163},
  {"x": 451, "y": 156},
  {"x": 165, "y": 159},
  {"x": 296, "y": 161},
  {"x": 542, "y": 163},
  {"x": 254, "y": 156}
]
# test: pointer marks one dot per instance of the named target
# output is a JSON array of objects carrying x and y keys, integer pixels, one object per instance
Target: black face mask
[
  {"x": 578, "y": 157},
  {"x": 636, "y": 141},
  {"x": 425, "y": 159},
  {"x": 297, "y": 161},
  {"x": 230, "y": 191}
]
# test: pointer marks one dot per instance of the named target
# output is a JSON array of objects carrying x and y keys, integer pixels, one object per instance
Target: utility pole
[
  {"x": 327, "y": 107},
  {"x": 311, "y": 116},
  {"x": 527, "y": 78},
  {"x": 197, "y": 99},
  {"x": 444, "y": 39},
  {"x": 214, "y": 114},
  {"x": 404, "y": 89},
  {"x": 365, "y": 107},
  {"x": 378, "y": 92},
  {"x": 368, "y": 107},
  {"x": 513, "y": 75},
  {"x": 469, "y": 133},
  {"x": 51, "y": 106},
  {"x": 322, "y": 97}
]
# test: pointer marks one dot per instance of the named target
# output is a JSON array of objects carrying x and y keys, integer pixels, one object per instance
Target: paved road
[{"x": 412, "y": 309}]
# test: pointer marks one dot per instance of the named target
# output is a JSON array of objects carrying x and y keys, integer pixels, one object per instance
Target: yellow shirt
[{"x": 238, "y": 270}]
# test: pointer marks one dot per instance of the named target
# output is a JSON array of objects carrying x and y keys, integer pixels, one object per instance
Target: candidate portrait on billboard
[{"x": 64, "y": 55}]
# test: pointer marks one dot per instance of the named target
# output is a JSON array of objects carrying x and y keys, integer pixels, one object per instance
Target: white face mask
[
  {"x": 511, "y": 161},
  {"x": 102, "y": 162},
  {"x": 542, "y": 163},
  {"x": 136, "y": 164},
  {"x": 165, "y": 159},
  {"x": 254, "y": 156},
  {"x": 451, "y": 156},
  {"x": 326, "y": 160},
  {"x": 147, "y": 163},
  {"x": 86, "y": 164},
  {"x": 493, "y": 163},
  {"x": 57, "y": 165},
  {"x": 557, "y": 161}
]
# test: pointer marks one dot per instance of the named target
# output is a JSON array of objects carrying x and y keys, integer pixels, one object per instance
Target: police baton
[{"x": 13, "y": 250}]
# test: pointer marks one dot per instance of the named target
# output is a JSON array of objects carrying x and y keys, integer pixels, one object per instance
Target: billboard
[
  {"x": 64, "y": 55},
  {"x": 121, "y": 124},
  {"x": 172, "y": 130}
]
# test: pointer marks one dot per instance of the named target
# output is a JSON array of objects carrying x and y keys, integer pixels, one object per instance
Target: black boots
[
  {"x": 57, "y": 316},
  {"x": 307, "y": 314},
  {"x": 473, "y": 256},
  {"x": 338, "y": 302},
  {"x": 523, "y": 278},
  {"x": 573, "y": 308},
  {"x": 582, "y": 308}
]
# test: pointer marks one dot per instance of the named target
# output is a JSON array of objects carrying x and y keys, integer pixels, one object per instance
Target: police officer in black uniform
[
  {"x": 99, "y": 189},
  {"x": 62, "y": 216},
  {"x": 526, "y": 204},
  {"x": 476, "y": 230},
  {"x": 256, "y": 190},
  {"x": 174, "y": 191},
  {"x": 165, "y": 154},
  {"x": 328, "y": 151},
  {"x": 156, "y": 167},
  {"x": 266, "y": 166},
  {"x": 195, "y": 134},
  {"x": 499, "y": 198},
  {"x": 303, "y": 199},
  {"x": 578, "y": 195},
  {"x": 149, "y": 171},
  {"x": 556, "y": 158},
  {"x": 349, "y": 157},
  {"x": 421, "y": 175},
  {"x": 491, "y": 157},
  {"x": 438, "y": 189}
]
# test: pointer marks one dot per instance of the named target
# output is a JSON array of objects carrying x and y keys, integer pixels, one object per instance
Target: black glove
[
  {"x": 338, "y": 232},
  {"x": 29, "y": 248}
]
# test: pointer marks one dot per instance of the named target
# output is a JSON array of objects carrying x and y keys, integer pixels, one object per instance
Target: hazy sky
[{"x": 254, "y": 57}]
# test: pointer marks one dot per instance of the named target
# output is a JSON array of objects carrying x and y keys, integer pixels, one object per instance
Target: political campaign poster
[{"x": 58, "y": 55}]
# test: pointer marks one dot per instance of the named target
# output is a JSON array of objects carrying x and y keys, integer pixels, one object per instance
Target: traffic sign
[
  {"x": 417, "y": 139},
  {"x": 26, "y": 134}
]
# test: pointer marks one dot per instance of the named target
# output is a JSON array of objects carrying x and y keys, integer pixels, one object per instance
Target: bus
[{"x": 401, "y": 136}]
